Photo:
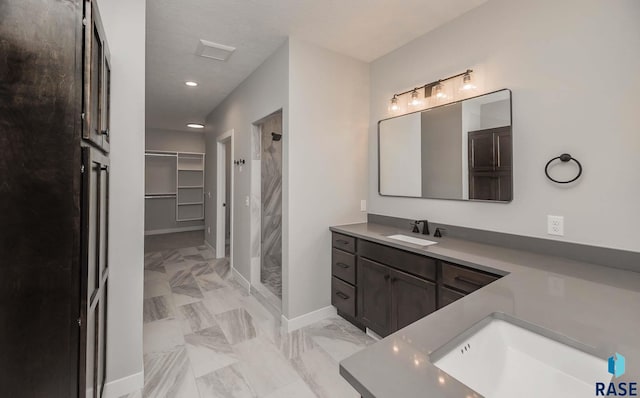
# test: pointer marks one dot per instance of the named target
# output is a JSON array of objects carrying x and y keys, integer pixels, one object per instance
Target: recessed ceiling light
[
  {"x": 195, "y": 125},
  {"x": 191, "y": 84}
]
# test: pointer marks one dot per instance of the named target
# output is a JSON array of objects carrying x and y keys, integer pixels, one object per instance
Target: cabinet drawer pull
[
  {"x": 342, "y": 295},
  {"x": 342, "y": 265},
  {"x": 344, "y": 242},
  {"x": 469, "y": 281}
]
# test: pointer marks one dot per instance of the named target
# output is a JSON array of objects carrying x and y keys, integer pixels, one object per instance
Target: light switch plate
[
  {"x": 555, "y": 225},
  {"x": 363, "y": 205}
]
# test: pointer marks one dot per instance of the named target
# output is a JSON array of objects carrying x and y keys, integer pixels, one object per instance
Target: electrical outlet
[
  {"x": 208, "y": 230},
  {"x": 363, "y": 205},
  {"x": 555, "y": 225}
]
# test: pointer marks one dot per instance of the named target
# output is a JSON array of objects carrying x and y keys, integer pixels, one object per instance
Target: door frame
[{"x": 224, "y": 139}]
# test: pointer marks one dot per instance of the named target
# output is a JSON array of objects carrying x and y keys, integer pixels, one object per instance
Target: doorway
[
  {"x": 224, "y": 196},
  {"x": 269, "y": 141}
]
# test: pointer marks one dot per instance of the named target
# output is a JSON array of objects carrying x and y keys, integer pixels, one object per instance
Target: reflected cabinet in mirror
[{"x": 456, "y": 151}]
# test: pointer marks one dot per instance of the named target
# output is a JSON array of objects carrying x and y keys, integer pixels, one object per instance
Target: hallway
[{"x": 205, "y": 336}]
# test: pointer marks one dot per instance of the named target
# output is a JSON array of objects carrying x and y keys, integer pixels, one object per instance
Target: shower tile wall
[{"x": 271, "y": 163}]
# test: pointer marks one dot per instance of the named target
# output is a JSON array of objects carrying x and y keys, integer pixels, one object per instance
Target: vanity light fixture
[
  {"x": 467, "y": 82},
  {"x": 415, "y": 98},
  {"x": 434, "y": 89},
  {"x": 438, "y": 92},
  {"x": 195, "y": 125},
  {"x": 191, "y": 83},
  {"x": 394, "y": 104}
]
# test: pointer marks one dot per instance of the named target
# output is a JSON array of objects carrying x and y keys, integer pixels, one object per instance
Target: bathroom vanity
[
  {"x": 385, "y": 288},
  {"x": 435, "y": 302}
]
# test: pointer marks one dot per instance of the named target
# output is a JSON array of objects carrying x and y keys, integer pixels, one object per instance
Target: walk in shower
[{"x": 269, "y": 138}]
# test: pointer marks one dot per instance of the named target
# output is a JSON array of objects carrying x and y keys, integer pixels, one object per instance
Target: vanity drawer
[
  {"x": 343, "y": 242},
  {"x": 465, "y": 279},
  {"x": 421, "y": 266},
  {"x": 343, "y": 296},
  {"x": 448, "y": 296},
  {"x": 343, "y": 265}
]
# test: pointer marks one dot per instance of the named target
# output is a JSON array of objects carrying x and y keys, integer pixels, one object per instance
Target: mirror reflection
[{"x": 459, "y": 151}]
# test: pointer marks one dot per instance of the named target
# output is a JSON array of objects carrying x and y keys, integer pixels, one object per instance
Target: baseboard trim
[
  {"x": 289, "y": 325},
  {"x": 173, "y": 230},
  {"x": 210, "y": 246},
  {"x": 241, "y": 280},
  {"x": 124, "y": 386}
]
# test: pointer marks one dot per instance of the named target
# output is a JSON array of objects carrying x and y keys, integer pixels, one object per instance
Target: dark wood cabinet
[
  {"x": 490, "y": 164},
  {"x": 97, "y": 79},
  {"x": 389, "y": 289},
  {"x": 54, "y": 184},
  {"x": 374, "y": 296},
  {"x": 411, "y": 299}
]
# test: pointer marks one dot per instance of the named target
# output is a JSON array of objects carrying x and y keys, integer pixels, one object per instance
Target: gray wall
[
  {"x": 262, "y": 93},
  {"x": 177, "y": 141},
  {"x": 442, "y": 152},
  {"x": 124, "y": 23},
  {"x": 552, "y": 55}
]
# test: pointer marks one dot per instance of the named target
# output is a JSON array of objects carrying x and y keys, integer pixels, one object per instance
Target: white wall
[
  {"x": 325, "y": 172},
  {"x": 170, "y": 140},
  {"x": 262, "y": 93},
  {"x": 573, "y": 68},
  {"x": 124, "y": 23}
]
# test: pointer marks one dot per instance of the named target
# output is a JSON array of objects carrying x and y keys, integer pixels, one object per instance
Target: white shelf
[
  {"x": 191, "y": 219},
  {"x": 191, "y": 187},
  {"x": 160, "y": 196},
  {"x": 190, "y": 203}
]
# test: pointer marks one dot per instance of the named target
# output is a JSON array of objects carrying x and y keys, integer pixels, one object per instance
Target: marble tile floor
[{"x": 205, "y": 336}]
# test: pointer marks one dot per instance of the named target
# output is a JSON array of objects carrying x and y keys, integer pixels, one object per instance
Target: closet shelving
[{"x": 178, "y": 179}]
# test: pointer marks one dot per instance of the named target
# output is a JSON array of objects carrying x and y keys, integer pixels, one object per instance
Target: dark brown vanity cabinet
[
  {"x": 385, "y": 289},
  {"x": 490, "y": 164},
  {"x": 54, "y": 184}
]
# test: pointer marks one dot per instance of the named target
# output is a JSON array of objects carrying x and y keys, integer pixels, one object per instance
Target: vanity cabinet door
[
  {"x": 412, "y": 299},
  {"x": 374, "y": 296}
]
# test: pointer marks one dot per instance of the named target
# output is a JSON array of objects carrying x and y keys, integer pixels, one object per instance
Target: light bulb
[
  {"x": 438, "y": 92},
  {"x": 415, "y": 98},
  {"x": 195, "y": 125},
  {"x": 467, "y": 82},
  {"x": 191, "y": 84},
  {"x": 394, "y": 104}
]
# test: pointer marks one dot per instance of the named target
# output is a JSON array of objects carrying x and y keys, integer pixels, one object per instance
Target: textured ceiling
[{"x": 364, "y": 29}]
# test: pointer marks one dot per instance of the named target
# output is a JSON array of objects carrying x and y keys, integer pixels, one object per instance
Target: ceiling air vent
[{"x": 212, "y": 50}]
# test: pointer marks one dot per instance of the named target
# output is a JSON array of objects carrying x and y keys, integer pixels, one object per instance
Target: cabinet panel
[
  {"x": 343, "y": 265},
  {"x": 343, "y": 242},
  {"x": 374, "y": 296},
  {"x": 408, "y": 262},
  {"x": 97, "y": 75},
  {"x": 465, "y": 279},
  {"x": 448, "y": 296},
  {"x": 343, "y": 297},
  {"x": 413, "y": 298},
  {"x": 481, "y": 151}
]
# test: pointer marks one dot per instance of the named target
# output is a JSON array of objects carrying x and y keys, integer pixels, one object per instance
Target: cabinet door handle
[
  {"x": 342, "y": 265},
  {"x": 342, "y": 295},
  {"x": 105, "y": 132},
  {"x": 469, "y": 281},
  {"x": 344, "y": 242}
]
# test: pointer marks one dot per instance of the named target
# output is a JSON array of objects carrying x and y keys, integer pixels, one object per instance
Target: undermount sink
[
  {"x": 500, "y": 359},
  {"x": 411, "y": 239}
]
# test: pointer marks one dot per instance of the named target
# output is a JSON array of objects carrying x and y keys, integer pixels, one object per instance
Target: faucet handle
[{"x": 415, "y": 224}]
